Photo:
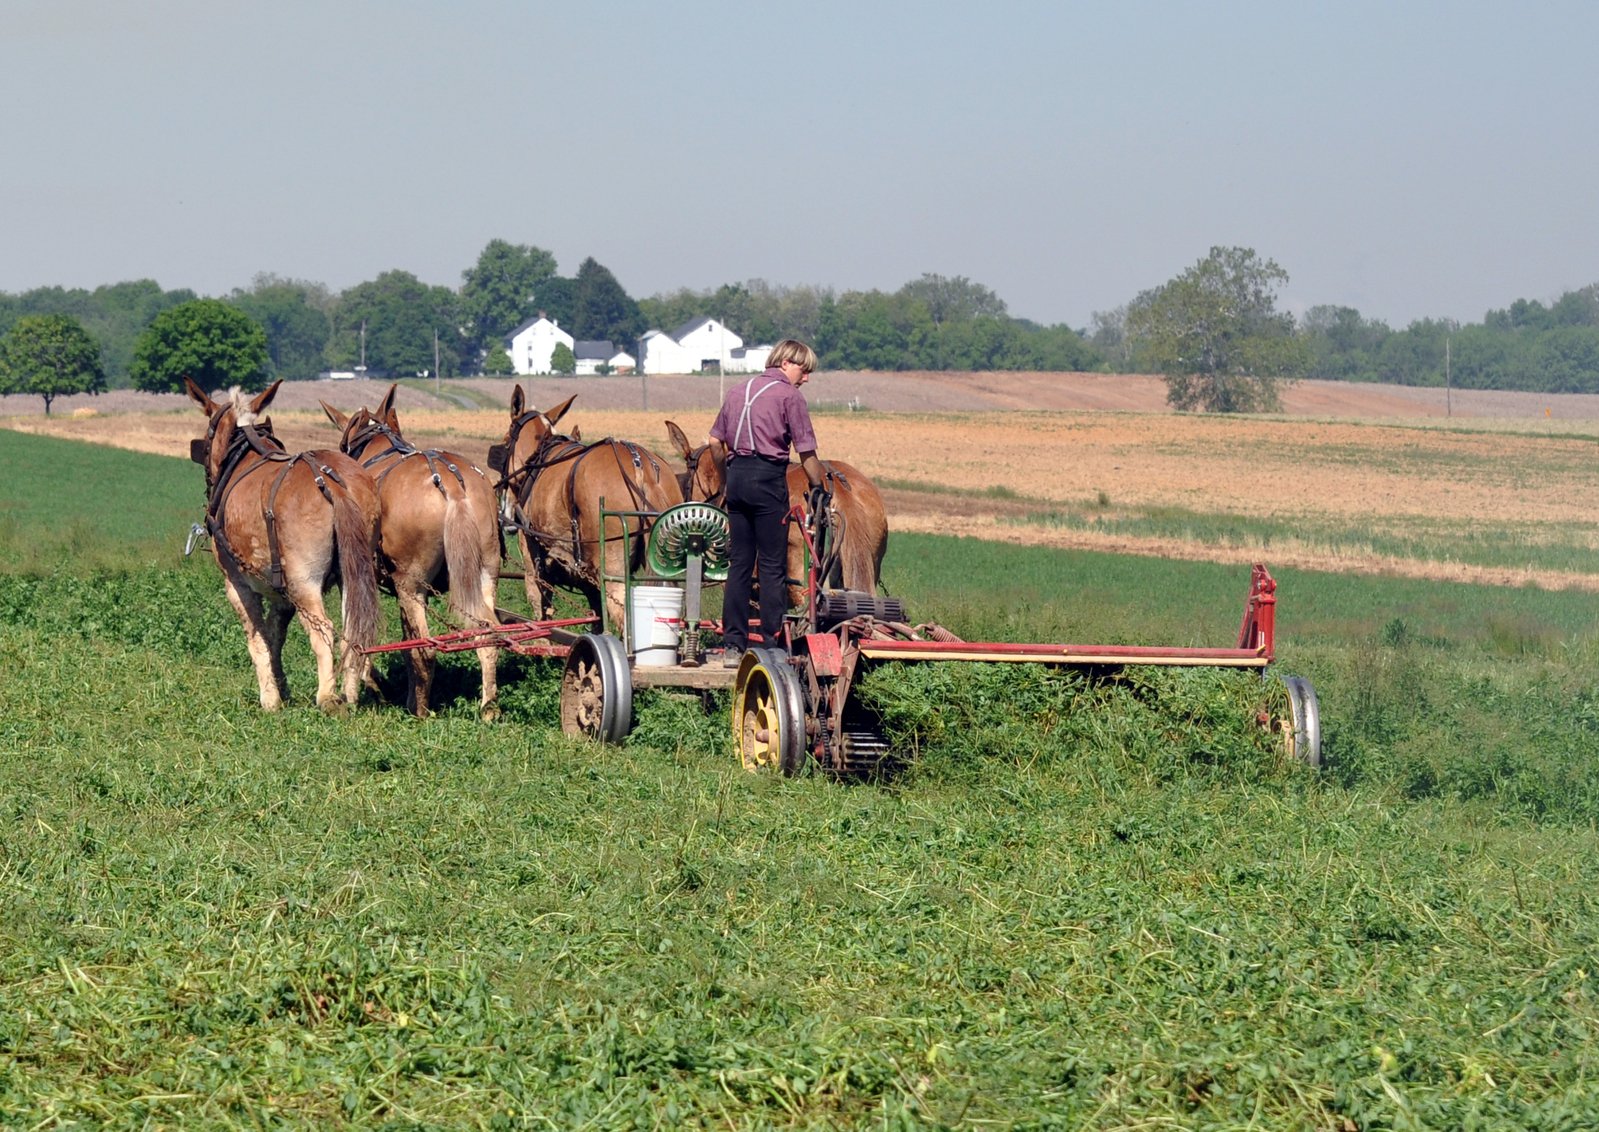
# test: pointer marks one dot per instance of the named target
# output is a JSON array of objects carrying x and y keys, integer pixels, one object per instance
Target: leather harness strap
[{"x": 259, "y": 441}]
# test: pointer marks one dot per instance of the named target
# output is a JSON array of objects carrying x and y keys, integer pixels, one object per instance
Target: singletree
[
  {"x": 1215, "y": 334},
  {"x": 48, "y": 355},
  {"x": 208, "y": 340}
]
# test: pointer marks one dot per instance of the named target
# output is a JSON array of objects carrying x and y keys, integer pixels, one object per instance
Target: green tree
[
  {"x": 394, "y": 322},
  {"x": 48, "y": 355},
  {"x": 1215, "y": 334},
  {"x": 604, "y": 311},
  {"x": 215, "y": 344},
  {"x": 295, "y": 316},
  {"x": 497, "y": 363},
  {"x": 562, "y": 360},
  {"x": 502, "y": 291}
]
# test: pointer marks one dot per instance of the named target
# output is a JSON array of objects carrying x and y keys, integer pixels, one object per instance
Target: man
[{"x": 760, "y": 421}]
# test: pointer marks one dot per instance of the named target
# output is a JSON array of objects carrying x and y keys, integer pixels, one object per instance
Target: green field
[{"x": 1104, "y": 906}]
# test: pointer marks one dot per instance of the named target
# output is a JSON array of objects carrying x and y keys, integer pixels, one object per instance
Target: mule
[
  {"x": 284, "y": 529},
  {"x": 438, "y": 530},
  {"x": 857, "y": 516},
  {"x": 554, "y": 485}
]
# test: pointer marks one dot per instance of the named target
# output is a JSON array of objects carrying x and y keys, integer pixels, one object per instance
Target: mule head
[
  {"x": 529, "y": 430},
  {"x": 704, "y": 476},
  {"x": 224, "y": 420}
]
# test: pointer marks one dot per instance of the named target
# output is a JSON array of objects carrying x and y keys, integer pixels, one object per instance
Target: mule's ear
[
  {"x": 264, "y": 399},
  {"x": 517, "y": 401},
  {"x": 559, "y": 411},
  {"x": 679, "y": 440},
  {"x": 386, "y": 411},
  {"x": 577, "y": 432},
  {"x": 339, "y": 419},
  {"x": 198, "y": 396}
]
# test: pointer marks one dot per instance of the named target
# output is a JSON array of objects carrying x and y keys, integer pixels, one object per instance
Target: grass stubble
[{"x": 1084, "y": 904}]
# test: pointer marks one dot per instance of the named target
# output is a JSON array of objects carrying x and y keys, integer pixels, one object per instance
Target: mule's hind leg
[
  {"x": 488, "y": 659},
  {"x": 325, "y": 644},
  {"x": 275, "y": 628},
  {"x": 420, "y": 662},
  {"x": 267, "y": 661}
]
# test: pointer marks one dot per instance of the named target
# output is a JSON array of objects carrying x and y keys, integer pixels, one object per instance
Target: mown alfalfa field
[{"x": 1081, "y": 906}]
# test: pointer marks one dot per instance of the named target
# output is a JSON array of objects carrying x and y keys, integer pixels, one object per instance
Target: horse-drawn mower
[{"x": 795, "y": 701}]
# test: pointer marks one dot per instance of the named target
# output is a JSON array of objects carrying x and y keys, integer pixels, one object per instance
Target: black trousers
[{"x": 757, "y": 502}]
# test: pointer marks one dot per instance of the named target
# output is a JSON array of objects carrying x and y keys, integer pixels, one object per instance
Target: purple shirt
[{"x": 776, "y": 417}]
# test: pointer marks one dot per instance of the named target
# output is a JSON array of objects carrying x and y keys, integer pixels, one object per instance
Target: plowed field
[{"x": 1072, "y": 460}]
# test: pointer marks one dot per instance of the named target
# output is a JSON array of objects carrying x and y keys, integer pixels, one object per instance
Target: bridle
[
  {"x": 554, "y": 449},
  {"x": 364, "y": 428},
  {"x": 694, "y": 484}
]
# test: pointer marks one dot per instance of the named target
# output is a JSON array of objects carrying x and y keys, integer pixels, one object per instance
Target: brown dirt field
[{"x": 969, "y": 454}]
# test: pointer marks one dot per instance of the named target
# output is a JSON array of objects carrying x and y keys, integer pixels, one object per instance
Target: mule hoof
[
  {"x": 334, "y": 705},
  {"x": 490, "y": 713}
]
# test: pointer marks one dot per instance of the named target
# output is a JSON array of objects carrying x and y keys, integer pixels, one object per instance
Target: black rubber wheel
[{"x": 597, "y": 689}]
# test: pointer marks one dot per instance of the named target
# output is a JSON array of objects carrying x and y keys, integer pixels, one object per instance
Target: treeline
[
  {"x": 932, "y": 323},
  {"x": 1526, "y": 346},
  {"x": 400, "y": 327}
]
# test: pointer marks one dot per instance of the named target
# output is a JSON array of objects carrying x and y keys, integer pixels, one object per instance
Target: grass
[{"x": 1085, "y": 905}]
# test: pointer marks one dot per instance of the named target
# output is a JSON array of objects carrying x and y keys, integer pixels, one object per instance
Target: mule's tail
[
  {"x": 463, "y": 558},
  {"x": 358, "y": 580}
]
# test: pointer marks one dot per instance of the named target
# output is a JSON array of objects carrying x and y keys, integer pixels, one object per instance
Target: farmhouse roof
[
  {"x": 540, "y": 317},
  {"x": 690, "y": 327},
  {"x": 599, "y": 350}
]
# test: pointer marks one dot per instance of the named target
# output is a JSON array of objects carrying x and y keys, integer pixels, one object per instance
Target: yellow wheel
[{"x": 768, "y": 713}]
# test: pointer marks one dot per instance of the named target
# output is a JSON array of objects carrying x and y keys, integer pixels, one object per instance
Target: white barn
[
  {"x": 700, "y": 346},
  {"x": 532, "y": 345}
]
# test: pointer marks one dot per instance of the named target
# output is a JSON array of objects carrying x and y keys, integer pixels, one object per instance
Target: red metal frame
[
  {"x": 1256, "y": 643},
  {"x": 514, "y": 637}
]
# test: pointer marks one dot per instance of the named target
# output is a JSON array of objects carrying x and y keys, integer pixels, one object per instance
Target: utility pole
[
  {"x": 435, "y": 361},
  {"x": 1449, "y": 408}
]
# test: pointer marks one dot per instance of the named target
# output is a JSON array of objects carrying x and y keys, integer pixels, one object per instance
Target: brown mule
[
  {"x": 554, "y": 487},
  {"x": 439, "y": 528},
  {"x": 284, "y": 528},
  {"x": 858, "y": 516}
]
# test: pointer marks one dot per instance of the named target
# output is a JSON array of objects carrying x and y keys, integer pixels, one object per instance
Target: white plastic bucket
[{"x": 654, "y": 615}]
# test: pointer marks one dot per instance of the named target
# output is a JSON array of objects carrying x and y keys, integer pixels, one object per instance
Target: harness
[
  {"x": 259, "y": 441},
  {"x": 364, "y": 428},
  {"x": 554, "y": 450}
]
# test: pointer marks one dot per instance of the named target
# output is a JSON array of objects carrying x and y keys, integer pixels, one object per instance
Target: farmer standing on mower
[{"x": 759, "y": 421}]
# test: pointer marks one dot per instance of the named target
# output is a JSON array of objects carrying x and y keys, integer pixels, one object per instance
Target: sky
[{"x": 1408, "y": 159}]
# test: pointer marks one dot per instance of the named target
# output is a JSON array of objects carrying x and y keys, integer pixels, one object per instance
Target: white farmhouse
[
  {"x": 701, "y": 346},
  {"x": 592, "y": 355},
  {"x": 532, "y": 345}
]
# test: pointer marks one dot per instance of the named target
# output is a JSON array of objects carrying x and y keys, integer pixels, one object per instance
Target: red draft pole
[{"x": 1259, "y": 628}]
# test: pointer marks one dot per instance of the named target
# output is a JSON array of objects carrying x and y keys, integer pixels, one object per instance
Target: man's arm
[{"x": 813, "y": 468}]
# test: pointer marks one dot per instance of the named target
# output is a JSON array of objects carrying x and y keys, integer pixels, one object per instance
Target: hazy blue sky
[{"x": 1407, "y": 159}]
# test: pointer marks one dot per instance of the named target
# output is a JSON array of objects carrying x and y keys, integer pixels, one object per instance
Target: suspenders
[{"x": 744, "y": 422}]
